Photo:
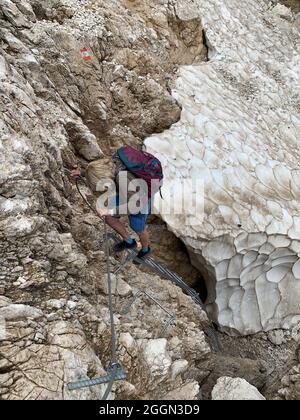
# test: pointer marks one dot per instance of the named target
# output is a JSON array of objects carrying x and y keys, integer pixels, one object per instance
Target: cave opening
[
  {"x": 173, "y": 253},
  {"x": 201, "y": 288}
]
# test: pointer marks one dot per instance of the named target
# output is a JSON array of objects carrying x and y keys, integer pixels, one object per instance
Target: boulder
[
  {"x": 236, "y": 389},
  {"x": 187, "y": 392},
  {"x": 157, "y": 357},
  {"x": 17, "y": 312},
  {"x": 84, "y": 142}
]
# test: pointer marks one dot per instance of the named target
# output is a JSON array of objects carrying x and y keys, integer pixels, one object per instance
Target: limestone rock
[
  {"x": 288, "y": 386},
  {"x": 17, "y": 312},
  {"x": 157, "y": 357},
  {"x": 44, "y": 369},
  {"x": 178, "y": 367},
  {"x": 73, "y": 88},
  {"x": 4, "y": 301},
  {"x": 189, "y": 391},
  {"x": 296, "y": 333},
  {"x": 118, "y": 286},
  {"x": 84, "y": 142},
  {"x": 253, "y": 371},
  {"x": 127, "y": 340},
  {"x": 276, "y": 337},
  {"x": 56, "y": 303},
  {"x": 229, "y": 389},
  {"x": 13, "y": 14}
]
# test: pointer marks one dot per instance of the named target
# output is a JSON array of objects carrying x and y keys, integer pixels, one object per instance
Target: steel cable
[{"x": 114, "y": 361}]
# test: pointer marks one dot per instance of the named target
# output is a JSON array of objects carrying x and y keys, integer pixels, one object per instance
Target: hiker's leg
[
  {"x": 114, "y": 222},
  {"x": 138, "y": 224},
  {"x": 143, "y": 235},
  {"x": 144, "y": 238},
  {"x": 118, "y": 226}
]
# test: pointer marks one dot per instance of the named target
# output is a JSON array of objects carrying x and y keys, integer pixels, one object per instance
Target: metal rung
[
  {"x": 127, "y": 259},
  {"x": 174, "y": 278},
  {"x": 120, "y": 375}
]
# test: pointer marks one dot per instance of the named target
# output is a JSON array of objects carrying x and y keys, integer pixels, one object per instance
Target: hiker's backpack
[{"x": 142, "y": 165}]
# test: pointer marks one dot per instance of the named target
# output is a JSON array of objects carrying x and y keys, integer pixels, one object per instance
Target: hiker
[{"x": 128, "y": 164}]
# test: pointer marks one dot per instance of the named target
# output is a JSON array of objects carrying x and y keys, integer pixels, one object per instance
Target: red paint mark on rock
[{"x": 85, "y": 54}]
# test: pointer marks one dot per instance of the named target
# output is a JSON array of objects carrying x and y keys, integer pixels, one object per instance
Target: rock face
[
  {"x": 287, "y": 385},
  {"x": 77, "y": 80},
  {"x": 43, "y": 350},
  {"x": 238, "y": 134},
  {"x": 229, "y": 389},
  {"x": 253, "y": 371}
]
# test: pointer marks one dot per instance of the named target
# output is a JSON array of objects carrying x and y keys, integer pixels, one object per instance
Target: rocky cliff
[{"x": 75, "y": 84}]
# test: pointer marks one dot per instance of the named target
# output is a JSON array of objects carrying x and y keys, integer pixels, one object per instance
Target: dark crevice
[
  {"x": 210, "y": 50},
  {"x": 199, "y": 285},
  {"x": 201, "y": 288},
  {"x": 171, "y": 252},
  {"x": 205, "y": 43},
  {"x": 6, "y": 369}
]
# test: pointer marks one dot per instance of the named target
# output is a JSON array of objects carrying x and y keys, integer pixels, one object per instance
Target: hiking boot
[
  {"x": 142, "y": 254},
  {"x": 124, "y": 245}
]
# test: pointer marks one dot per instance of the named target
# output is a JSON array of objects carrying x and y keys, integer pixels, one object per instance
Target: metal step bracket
[{"x": 120, "y": 375}]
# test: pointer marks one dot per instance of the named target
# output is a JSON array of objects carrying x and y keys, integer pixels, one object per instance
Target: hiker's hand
[
  {"x": 76, "y": 173},
  {"x": 103, "y": 212}
]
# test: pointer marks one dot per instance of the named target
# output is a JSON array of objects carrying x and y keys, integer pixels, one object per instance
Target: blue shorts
[{"x": 137, "y": 221}]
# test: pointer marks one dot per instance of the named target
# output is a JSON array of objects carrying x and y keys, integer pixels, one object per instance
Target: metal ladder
[{"x": 164, "y": 272}]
